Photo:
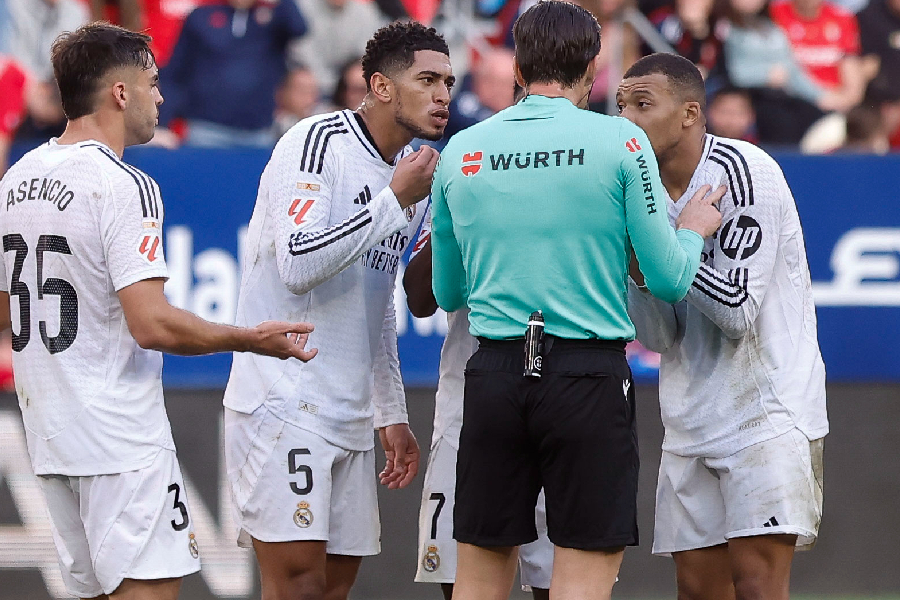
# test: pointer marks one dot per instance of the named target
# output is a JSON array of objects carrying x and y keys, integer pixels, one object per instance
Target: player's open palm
[
  {"x": 283, "y": 340},
  {"x": 701, "y": 214},
  {"x": 401, "y": 451},
  {"x": 412, "y": 177}
]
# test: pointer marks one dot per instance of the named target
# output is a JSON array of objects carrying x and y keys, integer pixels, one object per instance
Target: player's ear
[
  {"x": 382, "y": 87},
  {"x": 518, "y": 73},
  {"x": 120, "y": 95},
  {"x": 692, "y": 114}
]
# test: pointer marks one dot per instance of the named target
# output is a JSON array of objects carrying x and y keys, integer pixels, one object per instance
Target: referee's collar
[{"x": 541, "y": 100}]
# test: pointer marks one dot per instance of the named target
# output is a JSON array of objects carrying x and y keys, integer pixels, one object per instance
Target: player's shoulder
[
  {"x": 318, "y": 136},
  {"x": 749, "y": 170},
  {"x": 126, "y": 180}
]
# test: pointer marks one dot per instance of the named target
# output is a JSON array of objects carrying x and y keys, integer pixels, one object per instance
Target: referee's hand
[
  {"x": 402, "y": 453},
  {"x": 412, "y": 177},
  {"x": 701, "y": 213}
]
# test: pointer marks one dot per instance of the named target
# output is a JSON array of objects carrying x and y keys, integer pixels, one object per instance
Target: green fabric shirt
[{"x": 537, "y": 207}]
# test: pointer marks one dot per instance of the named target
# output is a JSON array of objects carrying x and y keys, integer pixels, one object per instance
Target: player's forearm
[
  {"x": 176, "y": 331},
  {"x": 654, "y": 321},
  {"x": 417, "y": 283},
  {"x": 313, "y": 257},
  {"x": 389, "y": 398},
  {"x": 724, "y": 301}
]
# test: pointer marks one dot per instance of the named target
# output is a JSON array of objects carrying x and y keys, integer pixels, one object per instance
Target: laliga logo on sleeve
[
  {"x": 149, "y": 246},
  {"x": 471, "y": 163}
]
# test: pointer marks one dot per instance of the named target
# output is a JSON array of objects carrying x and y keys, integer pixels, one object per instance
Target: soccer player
[
  {"x": 536, "y": 208},
  {"x": 336, "y": 209},
  {"x": 437, "y": 548},
  {"x": 83, "y": 265},
  {"x": 742, "y": 383}
]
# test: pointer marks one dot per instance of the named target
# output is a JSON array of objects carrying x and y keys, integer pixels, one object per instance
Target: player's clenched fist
[
  {"x": 701, "y": 214},
  {"x": 412, "y": 177},
  {"x": 283, "y": 340}
]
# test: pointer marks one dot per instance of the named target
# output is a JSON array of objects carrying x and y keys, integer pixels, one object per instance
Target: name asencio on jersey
[{"x": 51, "y": 190}]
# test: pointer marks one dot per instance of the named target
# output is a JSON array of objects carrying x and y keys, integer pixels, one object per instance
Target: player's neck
[
  {"x": 389, "y": 138},
  {"x": 676, "y": 168},
  {"x": 91, "y": 127},
  {"x": 575, "y": 94}
]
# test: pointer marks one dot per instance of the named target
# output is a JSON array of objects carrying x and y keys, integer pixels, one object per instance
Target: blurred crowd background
[{"x": 816, "y": 76}]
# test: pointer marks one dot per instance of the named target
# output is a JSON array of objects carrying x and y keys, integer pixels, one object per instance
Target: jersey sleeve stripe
[
  {"x": 300, "y": 243},
  {"x": 731, "y": 185},
  {"x": 309, "y": 135},
  {"x": 152, "y": 205},
  {"x": 746, "y": 170},
  {"x": 324, "y": 147},
  {"x": 732, "y": 168},
  {"x": 710, "y": 283},
  {"x": 146, "y": 208}
]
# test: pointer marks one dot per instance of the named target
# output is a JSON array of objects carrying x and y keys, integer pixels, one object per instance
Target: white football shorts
[
  {"x": 437, "y": 548},
  {"x": 773, "y": 487},
  {"x": 133, "y": 525},
  {"x": 290, "y": 484}
]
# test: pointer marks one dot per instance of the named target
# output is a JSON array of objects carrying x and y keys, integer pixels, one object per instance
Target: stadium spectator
[
  {"x": 693, "y": 29},
  {"x": 866, "y": 132},
  {"x": 488, "y": 89},
  {"x": 222, "y": 76},
  {"x": 12, "y": 105},
  {"x": 296, "y": 98},
  {"x": 350, "y": 89},
  {"x": 730, "y": 114},
  {"x": 879, "y": 28},
  {"x": 825, "y": 39},
  {"x": 619, "y": 41},
  {"x": 161, "y": 19},
  {"x": 758, "y": 56},
  {"x": 33, "y": 25},
  {"x": 338, "y": 30},
  {"x": 886, "y": 99}
]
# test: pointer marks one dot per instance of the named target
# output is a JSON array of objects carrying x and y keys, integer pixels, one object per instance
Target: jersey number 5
[
  {"x": 52, "y": 286},
  {"x": 294, "y": 468}
]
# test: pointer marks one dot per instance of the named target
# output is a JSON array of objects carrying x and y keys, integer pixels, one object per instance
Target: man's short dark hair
[
  {"x": 555, "y": 42},
  {"x": 82, "y": 58},
  {"x": 683, "y": 75},
  {"x": 393, "y": 48}
]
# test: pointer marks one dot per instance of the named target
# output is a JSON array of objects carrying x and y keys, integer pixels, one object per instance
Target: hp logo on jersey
[{"x": 740, "y": 238}]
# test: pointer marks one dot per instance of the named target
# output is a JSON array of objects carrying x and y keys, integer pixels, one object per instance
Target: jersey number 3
[{"x": 52, "y": 286}]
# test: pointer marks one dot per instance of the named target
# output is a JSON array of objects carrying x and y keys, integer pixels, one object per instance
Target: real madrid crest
[
  {"x": 432, "y": 560},
  {"x": 410, "y": 212},
  {"x": 303, "y": 517},
  {"x": 192, "y": 544}
]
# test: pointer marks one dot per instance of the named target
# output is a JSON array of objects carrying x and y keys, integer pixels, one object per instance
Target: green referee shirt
[{"x": 536, "y": 208}]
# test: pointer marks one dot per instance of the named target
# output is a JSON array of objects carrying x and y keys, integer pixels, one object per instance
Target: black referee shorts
[{"x": 571, "y": 432}]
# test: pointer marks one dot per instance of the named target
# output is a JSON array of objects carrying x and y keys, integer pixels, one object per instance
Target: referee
[{"x": 538, "y": 208}]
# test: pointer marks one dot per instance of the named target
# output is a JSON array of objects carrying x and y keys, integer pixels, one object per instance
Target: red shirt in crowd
[
  {"x": 12, "y": 96},
  {"x": 819, "y": 43}
]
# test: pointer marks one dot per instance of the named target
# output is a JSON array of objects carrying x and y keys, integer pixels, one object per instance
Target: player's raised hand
[
  {"x": 283, "y": 340},
  {"x": 402, "y": 453},
  {"x": 701, "y": 213},
  {"x": 412, "y": 177}
]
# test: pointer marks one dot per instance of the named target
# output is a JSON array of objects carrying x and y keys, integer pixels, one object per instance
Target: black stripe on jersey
[
  {"x": 720, "y": 289},
  {"x": 740, "y": 194},
  {"x": 309, "y": 135},
  {"x": 731, "y": 185},
  {"x": 300, "y": 243},
  {"x": 324, "y": 147},
  {"x": 146, "y": 190},
  {"x": 353, "y": 127},
  {"x": 746, "y": 170}
]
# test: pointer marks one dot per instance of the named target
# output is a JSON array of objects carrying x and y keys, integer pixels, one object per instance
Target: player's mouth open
[{"x": 440, "y": 117}]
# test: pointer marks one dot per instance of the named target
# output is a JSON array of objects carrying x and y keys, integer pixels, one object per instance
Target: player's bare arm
[
  {"x": 156, "y": 324},
  {"x": 5, "y": 319},
  {"x": 417, "y": 283}
]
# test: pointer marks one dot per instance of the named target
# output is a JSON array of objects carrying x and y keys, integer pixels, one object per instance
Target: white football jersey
[
  {"x": 323, "y": 246},
  {"x": 79, "y": 226},
  {"x": 457, "y": 349},
  {"x": 740, "y": 355}
]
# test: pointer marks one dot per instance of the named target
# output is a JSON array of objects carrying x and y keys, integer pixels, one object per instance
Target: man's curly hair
[{"x": 393, "y": 47}]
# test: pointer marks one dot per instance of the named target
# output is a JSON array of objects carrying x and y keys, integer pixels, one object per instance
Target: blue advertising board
[{"x": 849, "y": 205}]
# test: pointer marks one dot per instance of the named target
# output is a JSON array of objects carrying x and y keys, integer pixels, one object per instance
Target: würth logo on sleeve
[
  {"x": 299, "y": 212},
  {"x": 471, "y": 163},
  {"x": 632, "y": 145},
  {"x": 149, "y": 247}
]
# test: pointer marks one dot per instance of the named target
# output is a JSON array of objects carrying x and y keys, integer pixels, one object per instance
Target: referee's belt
[{"x": 552, "y": 341}]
